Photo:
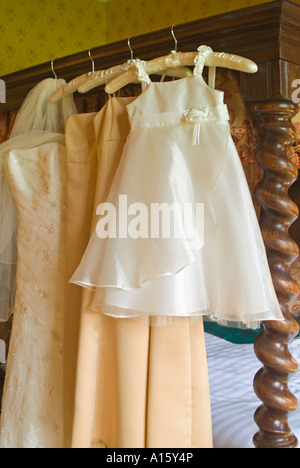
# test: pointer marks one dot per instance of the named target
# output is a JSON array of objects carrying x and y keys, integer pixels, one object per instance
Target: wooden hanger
[
  {"x": 72, "y": 86},
  {"x": 179, "y": 59},
  {"x": 104, "y": 77}
]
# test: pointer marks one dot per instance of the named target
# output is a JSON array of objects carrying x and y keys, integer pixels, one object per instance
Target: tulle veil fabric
[{"x": 38, "y": 122}]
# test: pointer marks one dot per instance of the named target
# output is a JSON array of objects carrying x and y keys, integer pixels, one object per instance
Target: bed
[
  {"x": 233, "y": 399},
  {"x": 267, "y": 142}
]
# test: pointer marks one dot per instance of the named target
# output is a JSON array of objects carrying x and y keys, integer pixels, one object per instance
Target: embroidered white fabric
[
  {"x": 37, "y": 122},
  {"x": 32, "y": 167}
]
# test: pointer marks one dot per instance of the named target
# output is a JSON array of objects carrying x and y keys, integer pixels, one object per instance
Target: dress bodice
[{"x": 178, "y": 95}]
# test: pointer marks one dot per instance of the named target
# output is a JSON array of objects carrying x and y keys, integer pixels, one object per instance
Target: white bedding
[{"x": 232, "y": 368}]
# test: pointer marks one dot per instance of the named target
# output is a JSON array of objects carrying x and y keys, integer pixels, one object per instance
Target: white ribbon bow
[
  {"x": 196, "y": 115},
  {"x": 139, "y": 66}
]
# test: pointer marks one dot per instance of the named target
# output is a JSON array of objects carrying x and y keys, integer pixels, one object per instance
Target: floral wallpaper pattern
[
  {"x": 127, "y": 18},
  {"x": 35, "y": 31}
]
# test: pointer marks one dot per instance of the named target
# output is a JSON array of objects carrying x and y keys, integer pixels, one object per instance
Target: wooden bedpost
[
  {"x": 269, "y": 93},
  {"x": 277, "y": 213}
]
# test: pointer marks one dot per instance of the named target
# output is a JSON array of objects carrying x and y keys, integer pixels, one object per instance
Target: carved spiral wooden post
[{"x": 278, "y": 212}]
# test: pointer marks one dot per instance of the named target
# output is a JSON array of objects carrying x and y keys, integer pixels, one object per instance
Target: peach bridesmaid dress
[
  {"x": 137, "y": 385},
  {"x": 81, "y": 174}
]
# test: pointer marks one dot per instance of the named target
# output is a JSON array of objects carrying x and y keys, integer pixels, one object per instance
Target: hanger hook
[
  {"x": 52, "y": 68},
  {"x": 130, "y": 48},
  {"x": 93, "y": 62},
  {"x": 174, "y": 37}
]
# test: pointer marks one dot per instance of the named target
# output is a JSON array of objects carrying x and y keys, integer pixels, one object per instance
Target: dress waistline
[{"x": 195, "y": 115}]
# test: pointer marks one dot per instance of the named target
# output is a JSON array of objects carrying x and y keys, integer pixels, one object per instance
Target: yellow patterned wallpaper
[
  {"x": 35, "y": 31},
  {"x": 133, "y": 17}
]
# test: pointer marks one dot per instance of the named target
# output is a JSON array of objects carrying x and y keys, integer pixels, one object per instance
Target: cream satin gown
[{"x": 137, "y": 386}]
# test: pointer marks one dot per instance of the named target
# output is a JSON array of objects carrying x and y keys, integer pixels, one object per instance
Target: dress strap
[
  {"x": 203, "y": 51},
  {"x": 212, "y": 77}
]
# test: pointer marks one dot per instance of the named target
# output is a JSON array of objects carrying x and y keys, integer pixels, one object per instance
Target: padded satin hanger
[
  {"x": 179, "y": 59},
  {"x": 104, "y": 77},
  {"x": 72, "y": 86}
]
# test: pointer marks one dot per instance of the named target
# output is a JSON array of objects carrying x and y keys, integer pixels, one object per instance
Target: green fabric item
[{"x": 234, "y": 335}]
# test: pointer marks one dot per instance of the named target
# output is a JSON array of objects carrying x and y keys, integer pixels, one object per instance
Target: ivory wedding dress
[
  {"x": 34, "y": 163},
  {"x": 180, "y": 153}
]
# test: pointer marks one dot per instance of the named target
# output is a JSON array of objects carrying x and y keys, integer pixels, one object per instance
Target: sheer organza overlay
[
  {"x": 179, "y": 151},
  {"x": 38, "y": 122}
]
